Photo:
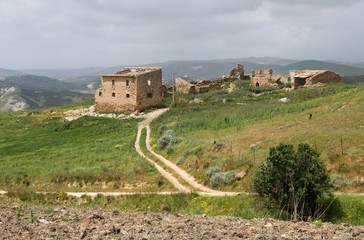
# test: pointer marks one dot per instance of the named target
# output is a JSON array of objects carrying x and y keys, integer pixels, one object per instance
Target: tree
[{"x": 295, "y": 181}]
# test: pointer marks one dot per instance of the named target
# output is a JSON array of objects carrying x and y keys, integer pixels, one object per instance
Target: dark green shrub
[{"x": 295, "y": 181}]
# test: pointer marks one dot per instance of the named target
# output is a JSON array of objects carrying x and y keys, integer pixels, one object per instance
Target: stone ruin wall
[
  {"x": 184, "y": 86},
  {"x": 265, "y": 78}
]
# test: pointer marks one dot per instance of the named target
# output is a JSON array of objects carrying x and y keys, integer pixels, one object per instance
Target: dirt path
[{"x": 199, "y": 188}]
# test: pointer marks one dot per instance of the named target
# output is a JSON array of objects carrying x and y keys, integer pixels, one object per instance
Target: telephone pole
[{"x": 173, "y": 87}]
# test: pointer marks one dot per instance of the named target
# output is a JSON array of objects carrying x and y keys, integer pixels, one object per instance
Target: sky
[{"x": 92, "y": 33}]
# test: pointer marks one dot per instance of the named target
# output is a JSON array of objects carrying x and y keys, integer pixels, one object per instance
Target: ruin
[
  {"x": 185, "y": 86},
  {"x": 307, "y": 78},
  {"x": 130, "y": 89},
  {"x": 237, "y": 73},
  {"x": 265, "y": 78}
]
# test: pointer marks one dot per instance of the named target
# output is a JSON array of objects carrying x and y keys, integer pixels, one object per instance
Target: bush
[
  {"x": 218, "y": 178},
  {"x": 212, "y": 171},
  {"x": 168, "y": 139},
  {"x": 295, "y": 181}
]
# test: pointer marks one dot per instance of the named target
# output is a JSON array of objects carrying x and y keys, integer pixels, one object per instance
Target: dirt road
[{"x": 196, "y": 187}]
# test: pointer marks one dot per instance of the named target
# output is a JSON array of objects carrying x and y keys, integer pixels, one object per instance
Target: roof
[{"x": 134, "y": 71}]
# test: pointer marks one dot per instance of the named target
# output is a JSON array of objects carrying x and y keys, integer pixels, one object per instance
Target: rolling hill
[
  {"x": 29, "y": 91},
  {"x": 342, "y": 69}
]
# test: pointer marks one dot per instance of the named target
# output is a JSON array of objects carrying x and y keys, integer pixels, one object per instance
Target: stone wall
[{"x": 265, "y": 78}]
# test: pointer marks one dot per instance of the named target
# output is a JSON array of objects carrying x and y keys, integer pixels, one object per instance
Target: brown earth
[{"x": 37, "y": 222}]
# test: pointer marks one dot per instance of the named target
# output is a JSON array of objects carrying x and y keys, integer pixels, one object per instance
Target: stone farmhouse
[
  {"x": 130, "y": 89},
  {"x": 307, "y": 78},
  {"x": 265, "y": 78}
]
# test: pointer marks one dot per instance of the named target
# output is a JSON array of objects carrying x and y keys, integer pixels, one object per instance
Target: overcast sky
[{"x": 83, "y": 33}]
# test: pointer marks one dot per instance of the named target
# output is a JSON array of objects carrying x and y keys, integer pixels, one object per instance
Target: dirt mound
[{"x": 19, "y": 222}]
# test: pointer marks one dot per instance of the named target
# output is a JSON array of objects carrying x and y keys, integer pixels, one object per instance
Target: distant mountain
[
  {"x": 6, "y": 72},
  {"x": 29, "y": 91},
  {"x": 260, "y": 60},
  {"x": 32, "y": 82},
  {"x": 342, "y": 69}
]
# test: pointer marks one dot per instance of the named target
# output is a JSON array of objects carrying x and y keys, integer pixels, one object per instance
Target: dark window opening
[
  {"x": 149, "y": 95},
  {"x": 113, "y": 94},
  {"x": 113, "y": 82},
  {"x": 257, "y": 84},
  {"x": 127, "y": 82},
  {"x": 127, "y": 95},
  {"x": 100, "y": 94}
]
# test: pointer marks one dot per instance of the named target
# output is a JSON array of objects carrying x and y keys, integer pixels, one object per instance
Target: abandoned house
[
  {"x": 265, "y": 78},
  {"x": 306, "y": 78},
  {"x": 130, "y": 89}
]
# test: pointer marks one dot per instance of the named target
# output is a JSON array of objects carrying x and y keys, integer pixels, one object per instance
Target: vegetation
[
  {"x": 41, "y": 151},
  {"x": 345, "y": 209},
  {"x": 247, "y": 119},
  {"x": 294, "y": 181}
]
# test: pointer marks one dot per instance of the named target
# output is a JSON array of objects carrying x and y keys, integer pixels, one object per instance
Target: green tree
[{"x": 294, "y": 180}]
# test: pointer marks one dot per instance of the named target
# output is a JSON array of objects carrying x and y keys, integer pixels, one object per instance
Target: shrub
[
  {"x": 295, "y": 181},
  {"x": 168, "y": 139},
  {"x": 212, "y": 171},
  {"x": 218, "y": 178}
]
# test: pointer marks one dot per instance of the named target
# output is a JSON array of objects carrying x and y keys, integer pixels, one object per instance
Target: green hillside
[
  {"x": 236, "y": 135},
  {"x": 342, "y": 69},
  {"x": 39, "y": 91},
  {"x": 39, "y": 150}
]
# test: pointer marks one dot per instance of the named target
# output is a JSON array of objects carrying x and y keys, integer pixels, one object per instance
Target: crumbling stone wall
[
  {"x": 129, "y": 90},
  {"x": 199, "y": 87},
  {"x": 265, "y": 78},
  {"x": 237, "y": 72},
  {"x": 184, "y": 86}
]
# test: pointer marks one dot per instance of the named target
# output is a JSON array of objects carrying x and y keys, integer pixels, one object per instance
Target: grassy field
[
  {"x": 248, "y": 124},
  {"x": 41, "y": 151},
  {"x": 344, "y": 209}
]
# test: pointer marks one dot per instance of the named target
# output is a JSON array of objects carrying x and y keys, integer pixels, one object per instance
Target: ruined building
[
  {"x": 237, "y": 72},
  {"x": 265, "y": 78},
  {"x": 185, "y": 86},
  {"x": 306, "y": 78},
  {"x": 130, "y": 89}
]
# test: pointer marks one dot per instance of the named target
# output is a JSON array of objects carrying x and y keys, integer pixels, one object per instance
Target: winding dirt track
[{"x": 196, "y": 187}]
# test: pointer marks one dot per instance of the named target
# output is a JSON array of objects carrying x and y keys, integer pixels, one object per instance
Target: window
[
  {"x": 113, "y": 82},
  {"x": 127, "y": 82},
  {"x": 113, "y": 94},
  {"x": 149, "y": 95},
  {"x": 149, "y": 82},
  {"x": 100, "y": 94},
  {"x": 127, "y": 95}
]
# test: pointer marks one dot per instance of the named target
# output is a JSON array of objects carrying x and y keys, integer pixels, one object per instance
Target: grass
[
  {"x": 335, "y": 130},
  {"x": 345, "y": 209},
  {"x": 41, "y": 151}
]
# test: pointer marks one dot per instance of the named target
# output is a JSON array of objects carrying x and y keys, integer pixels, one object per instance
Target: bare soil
[{"x": 36, "y": 222}]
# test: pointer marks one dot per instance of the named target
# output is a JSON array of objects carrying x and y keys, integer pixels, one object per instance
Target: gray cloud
[{"x": 78, "y": 33}]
